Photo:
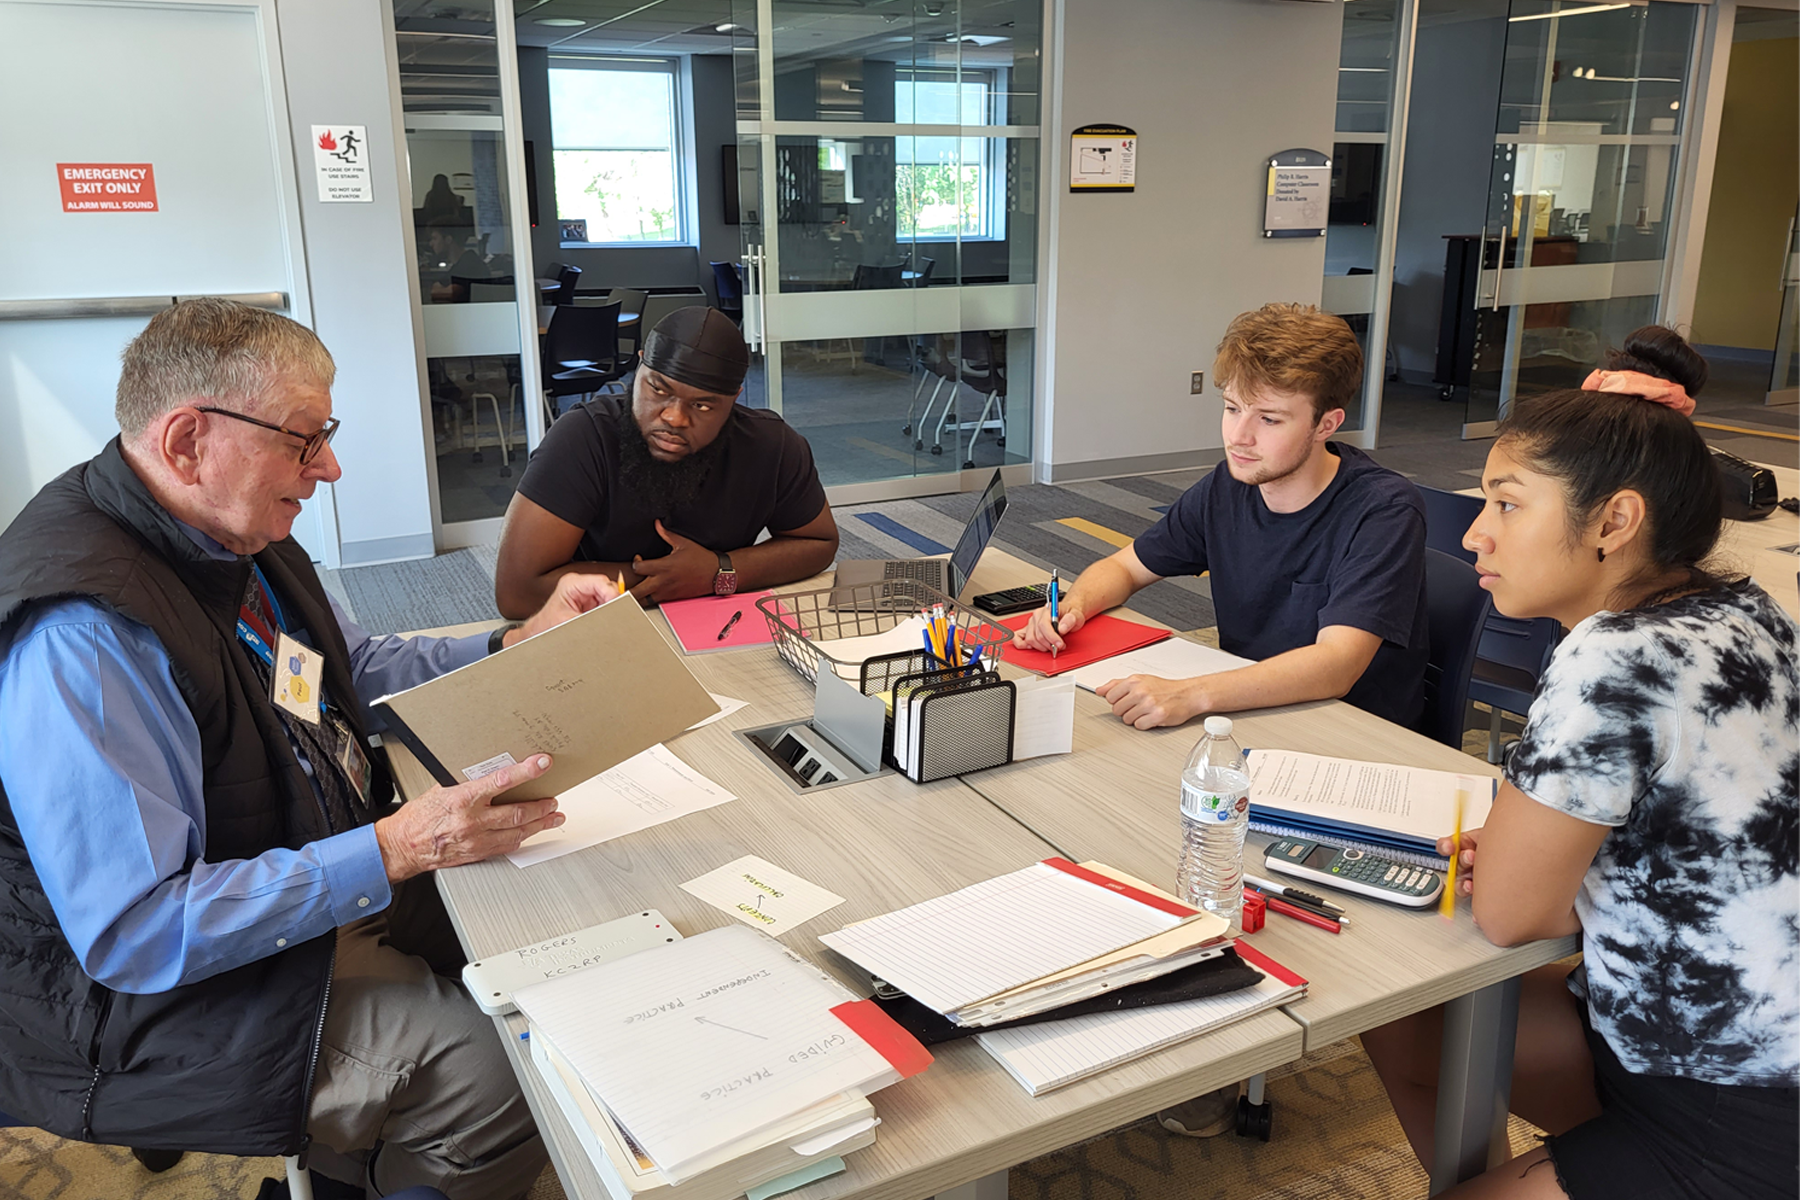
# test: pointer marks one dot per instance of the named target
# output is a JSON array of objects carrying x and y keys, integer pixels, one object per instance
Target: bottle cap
[{"x": 1219, "y": 726}]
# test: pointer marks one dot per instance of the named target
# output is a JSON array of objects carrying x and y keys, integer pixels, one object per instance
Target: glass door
[
  {"x": 887, "y": 197},
  {"x": 1581, "y": 194},
  {"x": 1784, "y": 375}
]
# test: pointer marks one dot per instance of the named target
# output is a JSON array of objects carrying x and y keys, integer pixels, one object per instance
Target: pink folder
[{"x": 697, "y": 622}]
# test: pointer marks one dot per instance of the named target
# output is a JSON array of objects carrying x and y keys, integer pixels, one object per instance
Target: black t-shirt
[
  {"x": 762, "y": 477},
  {"x": 1355, "y": 556}
]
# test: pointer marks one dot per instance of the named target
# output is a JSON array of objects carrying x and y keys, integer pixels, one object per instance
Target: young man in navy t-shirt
[{"x": 1317, "y": 554}]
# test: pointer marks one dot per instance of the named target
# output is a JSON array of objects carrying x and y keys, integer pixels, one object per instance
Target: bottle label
[{"x": 1212, "y": 806}]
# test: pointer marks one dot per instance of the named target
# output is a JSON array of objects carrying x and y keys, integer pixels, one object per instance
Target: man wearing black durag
[{"x": 671, "y": 488}]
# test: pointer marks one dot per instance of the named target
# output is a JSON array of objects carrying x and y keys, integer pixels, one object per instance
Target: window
[
  {"x": 948, "y": 187},
  {"x": 617, "y": 156}
]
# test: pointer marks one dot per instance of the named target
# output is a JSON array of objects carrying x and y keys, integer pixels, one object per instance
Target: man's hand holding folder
[{"x": 453, "y": 826}]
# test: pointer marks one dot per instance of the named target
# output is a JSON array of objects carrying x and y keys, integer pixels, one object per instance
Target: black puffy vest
[{"x": 226, "y": 1064}]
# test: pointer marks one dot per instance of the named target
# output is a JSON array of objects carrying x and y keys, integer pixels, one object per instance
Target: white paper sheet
[
  {"x": 851, "y": 652},
  {"x": 996, "y": 935},
  {"x": 642, "y": 791},
  {"x": 762, "y": 895},
  {"x": 1043, "y": 717},
  {"x": 1410, "y": 801},
  {"x": 727, "y": 706},
  {"x": 1171, "y": 658}
]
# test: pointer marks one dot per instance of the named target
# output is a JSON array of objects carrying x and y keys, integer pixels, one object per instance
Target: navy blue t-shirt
[{"x": 1355, "y": 556}]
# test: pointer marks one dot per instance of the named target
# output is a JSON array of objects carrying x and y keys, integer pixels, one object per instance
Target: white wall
[
  {"x": 338, "y": 63},
  {"x": 1145, "y": 283}
]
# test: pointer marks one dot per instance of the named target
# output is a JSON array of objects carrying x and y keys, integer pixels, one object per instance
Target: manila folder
[{"x": 591, "y": 693}]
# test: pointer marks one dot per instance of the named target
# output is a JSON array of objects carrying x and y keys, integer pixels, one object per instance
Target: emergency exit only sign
[{"x": 107, "y": 187}]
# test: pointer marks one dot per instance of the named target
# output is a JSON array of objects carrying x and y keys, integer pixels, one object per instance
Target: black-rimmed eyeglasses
[{"x": 310, "y": 443}]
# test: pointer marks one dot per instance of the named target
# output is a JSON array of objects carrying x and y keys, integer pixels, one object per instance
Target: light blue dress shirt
[{"x": 101, "y": 761}]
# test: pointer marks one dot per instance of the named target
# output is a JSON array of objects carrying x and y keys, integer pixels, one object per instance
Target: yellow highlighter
[{"x": 1447, "y": 901}]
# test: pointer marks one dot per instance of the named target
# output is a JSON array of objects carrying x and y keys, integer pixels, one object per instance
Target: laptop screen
[{"x": 976, "y": 535}]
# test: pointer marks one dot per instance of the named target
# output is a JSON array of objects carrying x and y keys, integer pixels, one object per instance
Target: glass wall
[
  {"x": 1367, "y": 82},
  {"x": 456, "y": 156},
  {"x": 1582, "y": 192},
  {"x": 895, "y": 155}
]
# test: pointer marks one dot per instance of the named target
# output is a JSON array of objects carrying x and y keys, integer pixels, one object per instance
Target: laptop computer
[{"x": 949, "y": 576}]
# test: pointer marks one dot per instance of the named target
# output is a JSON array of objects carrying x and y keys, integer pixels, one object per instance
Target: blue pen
[{"x": 1055, "y": 591}]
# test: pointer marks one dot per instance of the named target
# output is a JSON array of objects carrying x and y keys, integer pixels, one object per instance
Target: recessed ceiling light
[{"x": 560, "y": 22}]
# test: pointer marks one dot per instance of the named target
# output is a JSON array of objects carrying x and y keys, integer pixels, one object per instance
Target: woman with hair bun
[{"x": 1650, "y": 805}]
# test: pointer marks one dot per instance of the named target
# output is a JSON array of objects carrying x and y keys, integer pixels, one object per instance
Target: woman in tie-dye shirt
[{"x": 1650, "y": 805}]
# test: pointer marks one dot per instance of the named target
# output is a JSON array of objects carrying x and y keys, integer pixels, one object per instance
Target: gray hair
[{"x": 217, "y": 352}]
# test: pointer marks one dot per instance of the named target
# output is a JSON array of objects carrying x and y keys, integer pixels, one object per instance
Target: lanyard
[{"x": 257, "y": 639}]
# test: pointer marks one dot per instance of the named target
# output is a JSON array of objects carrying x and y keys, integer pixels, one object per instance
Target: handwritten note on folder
[
  {"x": 704, "y": 1042},
  {"x": 591, "y": 693}
]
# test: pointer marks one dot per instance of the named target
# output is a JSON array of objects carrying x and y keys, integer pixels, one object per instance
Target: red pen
[{"x": 1276, "y": 904}]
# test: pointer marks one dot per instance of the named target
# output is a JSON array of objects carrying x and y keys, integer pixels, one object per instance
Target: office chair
[
  {"x": 982, "y": 365},
  {"x": 1513, "y": 651},
  {"x": 730, "y": 286},
  {"x": 1457, "y": 607},
  {"x": 568, "y": 278},
  {"x": 581, "y": 352}
]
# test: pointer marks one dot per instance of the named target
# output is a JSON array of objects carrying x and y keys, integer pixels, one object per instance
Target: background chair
[
  {"x": 730, "y": 286},
  {"x": 1514, "y": 650},
  {"x": 568, "y": 278},
  {"x": 581, "y": 353},
  {"x": 631, "y": 301},
  {"x": 1457, "y": 608}
]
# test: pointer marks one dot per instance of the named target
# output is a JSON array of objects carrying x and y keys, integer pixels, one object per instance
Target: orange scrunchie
[{"x": 1636, "y": 383}]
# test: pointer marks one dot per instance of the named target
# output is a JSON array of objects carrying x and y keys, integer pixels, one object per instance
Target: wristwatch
[{"x": 725, "y": 582}]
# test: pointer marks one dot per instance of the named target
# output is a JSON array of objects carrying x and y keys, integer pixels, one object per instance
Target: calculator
[
  {"x": 1364, "y": 872},
  {"x": 1015, "y": 600}
]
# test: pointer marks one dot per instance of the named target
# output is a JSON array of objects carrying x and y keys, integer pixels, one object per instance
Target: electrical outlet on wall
[{"x": 1197, "y": 384}]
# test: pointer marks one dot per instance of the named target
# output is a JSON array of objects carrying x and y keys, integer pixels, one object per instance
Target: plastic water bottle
[{"x": 1215, "y": 805}]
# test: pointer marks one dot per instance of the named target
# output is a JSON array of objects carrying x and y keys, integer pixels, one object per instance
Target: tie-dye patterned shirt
[{"x": 1677, "y": 726}]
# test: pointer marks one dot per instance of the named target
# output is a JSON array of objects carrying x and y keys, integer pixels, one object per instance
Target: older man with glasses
[{"x": 207, "y": 940}]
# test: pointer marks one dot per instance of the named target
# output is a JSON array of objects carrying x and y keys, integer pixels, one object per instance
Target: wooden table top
[
  {"x": 1117, "y": 799},
  {"x": 883, "y": 844}
]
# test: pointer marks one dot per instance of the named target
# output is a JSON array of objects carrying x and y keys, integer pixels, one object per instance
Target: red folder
[{"x": 1102, "y": 637}]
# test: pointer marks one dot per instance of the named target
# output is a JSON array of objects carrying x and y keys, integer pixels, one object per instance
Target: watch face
[{"x": 724, "y": 583}]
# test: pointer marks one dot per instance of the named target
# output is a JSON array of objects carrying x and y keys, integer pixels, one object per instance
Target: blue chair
[
  {"x": 1513, "y": 651},
  {"x": 1457, "y": 608}
]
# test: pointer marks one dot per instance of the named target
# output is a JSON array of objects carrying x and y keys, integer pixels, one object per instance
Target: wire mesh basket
[{"x": 856, "y": 630}]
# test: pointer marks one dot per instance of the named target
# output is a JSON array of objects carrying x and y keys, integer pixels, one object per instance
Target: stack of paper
[
  {"x": 715, "y": 1060},
  {"x": 1381, "y": 805},
  {"x": 1047, "y": 1056},
  {"x": 1176, "y": 658},
  {"x": 1030, "y": 941}
]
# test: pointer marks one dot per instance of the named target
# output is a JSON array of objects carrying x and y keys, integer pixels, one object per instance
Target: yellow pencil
[
  {"x": 621, "y": 581},
  {"x": 1447, "y": 902}
]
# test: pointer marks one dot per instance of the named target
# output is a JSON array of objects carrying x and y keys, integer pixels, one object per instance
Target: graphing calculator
[
  {"x": 1361, "y": 871},
  {"x": 1015, "y": 600}
]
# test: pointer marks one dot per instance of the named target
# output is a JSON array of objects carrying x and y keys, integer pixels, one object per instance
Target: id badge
[
  {"x": 294, "y": 678},
  {"x": 354, "y": 761}
]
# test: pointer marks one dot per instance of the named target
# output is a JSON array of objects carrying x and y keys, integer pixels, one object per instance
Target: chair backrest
[
  {"x": 568, "y": 278},
  {"x": 926, "y": 267},
  {"x": 628, "y": 299},
  {"x": 867, "y": 278},
  {"x": 730, "y": 286},
  {"x": 582, "y": 333},
  {"x": 1457, "y": 607},
  {"x": 1522, "y": 643},
  {"x": 1448, "y": 516}
]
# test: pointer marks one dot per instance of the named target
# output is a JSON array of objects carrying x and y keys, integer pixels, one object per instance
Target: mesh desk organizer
[{"x": 964, "y": 714}]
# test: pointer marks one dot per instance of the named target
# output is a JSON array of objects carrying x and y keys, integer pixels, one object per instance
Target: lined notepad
[
  {"x": 703, "y": 1042},
  {"x": 1057, "y": 1053},
  {"x": 1000, "y": 934}
]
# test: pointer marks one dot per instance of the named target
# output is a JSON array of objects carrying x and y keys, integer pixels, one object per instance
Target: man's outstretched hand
[{"x": 451, "y": 826}]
